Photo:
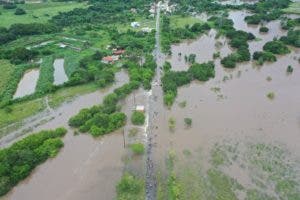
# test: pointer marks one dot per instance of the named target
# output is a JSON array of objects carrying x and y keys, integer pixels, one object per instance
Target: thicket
[
  {"x": 106, "y": 118},
  {"x": 263, "y": 56},
  {"x": 292, "y": 38},
  {"x": 130, "y": 187},
  {"x": 18, "y": 55},
  {"x": 266, "y": 10},
  {"x": 289, "y": 24},
  {"x": 173, "y": 79},
  {"x": 174, "y": 35},
  {"x": 103, "y": 12},
  {"x": 238, "y": 40},
  {"x": 276, "y": 47},
  {"x": 18, "y": 30},
  {"x": 18, "y": 160},
  {"x": 187, "y": 6},
  {"x": 138, "y": 118}
]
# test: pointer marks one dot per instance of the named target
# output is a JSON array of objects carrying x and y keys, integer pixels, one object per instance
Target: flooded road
[
  {"x": 59, "y": 72},
  {"x": 28, "y": 83},
  {"x": 79, "y": 171}
]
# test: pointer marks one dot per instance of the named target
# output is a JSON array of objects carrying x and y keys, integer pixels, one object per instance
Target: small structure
[
  {"x": 140, "y": 108},
  {"x": 135, "y": 24},
  {"x": 110, "y": 59},
  {"x": 107, "y": 60},
  {"x": 119, "y": 52}
]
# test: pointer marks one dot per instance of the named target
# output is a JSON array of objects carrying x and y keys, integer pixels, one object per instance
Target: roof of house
[
  {"x": 119, "y": 52},
  {"x": 108, "y": 59}
]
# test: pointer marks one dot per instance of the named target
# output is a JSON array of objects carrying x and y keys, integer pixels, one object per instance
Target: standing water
[
  {"x": 28, "y": 83},
  {"x": 59, "y": 72}
]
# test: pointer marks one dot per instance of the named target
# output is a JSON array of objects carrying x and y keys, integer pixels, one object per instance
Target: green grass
[
  {"x": 293, "y": 8},
  {"x": 20, "y": 111},
  {"x": 6, "y": 70},
  {"x": 137, "y": 148},
  {"x": 180, "y": 22},
  {"x": 36, "y": 12},
  {"x": 67, "y": 94}
]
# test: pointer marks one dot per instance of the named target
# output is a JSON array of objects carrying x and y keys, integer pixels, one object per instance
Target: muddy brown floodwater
[
  {"x": 234, "y": 103},
  {"x": 86, "y": 168},
  {"x": 28, "y": 83}
]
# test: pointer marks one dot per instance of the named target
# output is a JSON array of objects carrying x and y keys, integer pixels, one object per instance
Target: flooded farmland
[
  {"x": 233, "y": 107},
  {"x": 86, "y": 174},
  {"x": 28, "y": 83},
  {"x": 60, "y": 76}
]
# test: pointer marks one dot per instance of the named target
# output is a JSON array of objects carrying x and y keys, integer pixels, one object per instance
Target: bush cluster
[
  {"x": 18, "y": 160},
  {"x": 172, "y": 80}
]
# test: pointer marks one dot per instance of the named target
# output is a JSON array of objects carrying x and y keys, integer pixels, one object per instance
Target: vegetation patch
[
  {"x": 137, "y": 148},
  {"x": 173, "y": 79},
  {"x": 130, "y": 187},
  {"x": 138, "y": 118},
  {"x": 18, "y": 160},
  {"x": 7, "y": 70}
]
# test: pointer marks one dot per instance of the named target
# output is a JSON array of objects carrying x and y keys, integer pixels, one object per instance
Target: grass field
[
  {"x": 67, "y": 94},
  {"x": 6, "y": 70},
  {"x": 20, "y": 111},
  {"x": 180, "y": 22},
  {"x": 293, "y": 8},
  {"x": 36, "y": 12}
]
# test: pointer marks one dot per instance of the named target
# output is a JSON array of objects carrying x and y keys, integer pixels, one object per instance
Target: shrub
[
  {"x": 271, "y": 95},
  {"x": 20, "y": 11},
  {"x": 172, "y": 124},
  {"x": 263, "y": 56},
  {"x": 188, "y": 122},
  {"x": 9, "y": 6},
  {"x": 138, "y": 118},
  {"x": 130, "y": 187},
  {"x": 289, "y": 69},
  {"x": 276, "y": 47},
  {"x": 18, "y": 160},
  {"x": 137, "y": 148},
  {"x": 263, "y": 29}
]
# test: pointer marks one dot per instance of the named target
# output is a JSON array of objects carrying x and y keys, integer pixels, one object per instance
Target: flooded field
[
  {"x": 231, "y": 107},
  {"x": 86, "y": 174},
  {"x": 28, "y": 83},
  {"x": 59, "y": 72}
]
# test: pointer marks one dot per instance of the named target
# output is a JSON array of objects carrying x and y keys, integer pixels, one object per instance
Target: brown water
[
  {"x": 240, "y": 110},
  {"x": 275, "y": 30},
  {"x": 59, "y": 72},
  {"x": 86, "y": 168},
  {"x": 28, "y": 83}
]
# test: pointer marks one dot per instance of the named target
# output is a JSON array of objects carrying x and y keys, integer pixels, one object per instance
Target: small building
[
  {"x": 110, "y": 59},
  {"x": 135, "y": 24},
  {"x": 107, "y": 59},
  {"x": 140, "y": 108}
]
